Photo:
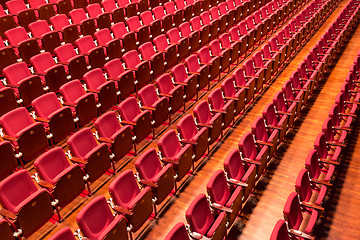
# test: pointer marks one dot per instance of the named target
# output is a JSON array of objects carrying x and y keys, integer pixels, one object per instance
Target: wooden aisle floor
[{"x": 279, "y": 180}]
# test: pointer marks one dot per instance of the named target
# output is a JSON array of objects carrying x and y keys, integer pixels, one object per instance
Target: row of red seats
[
  {"x": 256, "y": 149},
  {"x": 313, "y": 182},
  {"x": 65, "y": 127},
  {"x": 71, "y": 100},
  {"x": 18, "y": 12},
  {"x": 77, "y": 66},
  {"x": 50, "y": 39},
  {"x": 88, "y": 137}
]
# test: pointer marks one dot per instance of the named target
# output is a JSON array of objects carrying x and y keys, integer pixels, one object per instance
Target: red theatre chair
[
  {"x": 188, "y": 81},
  {"x": 252, "y": 154},
  {"x": 58, "y": 119},
  {"x": 240, "y": 174},
  {"x": 65, "y": 181},
  {"x": 202, "y": 220},
  {"x": 151, "y": 173},
  {"x": 83, "y": 104},
  {"x": 54, "y": 74},
  {"x": 129, "y": 199},
  {"x": 29, "y": 137},
  {"x": 28, "y": 86},
  {"x": 76, "y": 64},
  {"x": 293, "y": 216},
  {"x": 159, "y": 106},
  {"x": 85, "y": 150},
  {"x": 199, "y": 139},
  {"x": 125, "y": 78},
  {"x": 175, "y": 93},
  {"x": 223, "y": 198},
  {"x": 212, "y": 121},
  {"x": 119, "y": 138},
  {"x": 28, "y": 205},
  {"x": 139, "y": 121},
  {"x": 265, "y": 136},
  {"x": 171, "y": 151},
  {"x": 218, "y": 105},
  {"x": 96, "y": 221},
  {"x": 105, "y": 90}
]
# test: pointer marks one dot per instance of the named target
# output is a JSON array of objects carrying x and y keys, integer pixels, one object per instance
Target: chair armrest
[
  {"x": 264, "y": 143},
  {"x": 297, "y": 101},
  {"x": 147, "y": 108},
  {"x": 106, "y": 140},
  {"x": 179, "y": 83},
  {"x": 204, "y": 125},
  {"x": 239, "y": 86},
  {"x": 248, "y": 160},
  {"x": 231, "y": 98},
  {"x": 300, "y": 234},
  {"x": 274, "y": 127},
  {"x": 284, "y": 113},
  {"x": 238, "y": 183},
  {"x": 7, "y": 213},
  {"x": 342, "y": 128},
  {"x": 336, "y": 144},
  {"x": 122, "y": 210},
  {"x": 347, "y": 114},
  {"x": 78, "y": 160},
  {"x": 313, "y": 206},
  {"x": 168, "y": 160},
  {"x": 188, "y": 142},
  {"x": 321, "y": 182},
  {"x": 146, "y": 182},
  {"x": 7, "y": 137},
  {"x": 329, "y": 161},
  {"x": 92, "y": 90},
  {"x": 128, "y": 123},
  {"x": 218, "y": 111},
  {"x": 221, "y": 208},
  {"x": 45, "y": 184},
  {"x": 41, "y": 119},
  {"x": 68, "y": 104},
  {"x": 165, "y": 95},
  {"x": 195, "y": 73}
]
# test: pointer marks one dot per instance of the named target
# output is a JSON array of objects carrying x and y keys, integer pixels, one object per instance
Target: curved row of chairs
[
  {"x": 88, "y": 149},
  {"x": 243, "y": 167},
  {"x": 136, "y": 31},
  {"x": 70, "y": 65},
  {"x": 304, "y": 206},
  {"x": 84, "y": 105}
]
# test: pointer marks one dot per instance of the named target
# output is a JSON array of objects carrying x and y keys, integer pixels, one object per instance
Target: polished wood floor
[{"x": 265, "y": 205}]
